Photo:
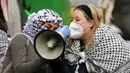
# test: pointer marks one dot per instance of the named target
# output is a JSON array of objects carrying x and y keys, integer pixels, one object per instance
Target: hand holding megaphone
[{"x": 63, "y": 31}]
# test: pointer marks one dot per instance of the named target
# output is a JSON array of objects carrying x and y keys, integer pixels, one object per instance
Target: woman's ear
[{"x": 91, "y": 23}]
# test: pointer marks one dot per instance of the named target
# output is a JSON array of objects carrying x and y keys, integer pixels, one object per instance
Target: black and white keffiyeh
[
  {"x": 108, "y": 52},
  {"x": 3, "y": 46},
  {"x": 34, "y": 23}
]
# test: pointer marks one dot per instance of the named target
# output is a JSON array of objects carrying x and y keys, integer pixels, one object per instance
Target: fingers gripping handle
[{"x": 64, "y": 31}]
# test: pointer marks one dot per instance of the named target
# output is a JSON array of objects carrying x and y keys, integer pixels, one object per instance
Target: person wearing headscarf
[
  {"x": 21, "y": 50},
  {"x": 4, "y": 42}
]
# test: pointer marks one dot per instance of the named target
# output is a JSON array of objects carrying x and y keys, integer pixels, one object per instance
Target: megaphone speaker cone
[{"x": 49, "y": 44}]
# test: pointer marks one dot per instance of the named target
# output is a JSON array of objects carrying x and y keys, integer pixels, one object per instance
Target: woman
[
  {"x": 21, "y": 51},
  {"x": 94, "y": 47}
]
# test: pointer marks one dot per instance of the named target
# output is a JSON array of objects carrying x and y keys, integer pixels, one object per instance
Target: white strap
[{"x": 6, "y": 70}]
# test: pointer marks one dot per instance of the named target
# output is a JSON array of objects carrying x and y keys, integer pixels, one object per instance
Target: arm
[{"x": 19, "y": 53}]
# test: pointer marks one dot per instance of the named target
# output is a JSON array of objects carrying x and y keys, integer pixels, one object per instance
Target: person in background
[
  {"x": 4, "y": 42},
  {"x": 93, "y": 47},
  {"x": 21, "y": 50}
]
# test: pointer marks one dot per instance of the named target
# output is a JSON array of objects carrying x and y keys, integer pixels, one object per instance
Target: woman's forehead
[{"x": 77, "y": 14}]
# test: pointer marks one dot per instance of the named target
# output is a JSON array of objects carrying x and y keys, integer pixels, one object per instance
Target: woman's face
[
  {"x": 79, "y": 18},
  {"x": 51, "y": 26}
]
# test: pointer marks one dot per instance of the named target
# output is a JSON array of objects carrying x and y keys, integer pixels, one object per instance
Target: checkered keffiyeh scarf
[
  {"x": 3, "y": 46},
  {"x": 109, "y": 51},
  {"x": 35, "y": 21}
]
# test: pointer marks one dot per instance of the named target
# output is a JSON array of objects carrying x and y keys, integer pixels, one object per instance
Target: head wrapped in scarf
[{"x": 35, "y": 21}]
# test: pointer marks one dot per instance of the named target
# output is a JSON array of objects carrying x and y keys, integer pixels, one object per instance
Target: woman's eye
[
  {"x": 48, "y": 26},
  {"x": 77, "y": 20}
]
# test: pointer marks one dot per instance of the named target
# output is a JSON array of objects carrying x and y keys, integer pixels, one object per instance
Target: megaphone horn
[{"x": 50, "y": 44}]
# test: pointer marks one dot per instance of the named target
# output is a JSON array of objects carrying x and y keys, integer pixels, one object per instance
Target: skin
[
  {"x": 51, "y": 26},
  {"x": 79, "y": 18}
]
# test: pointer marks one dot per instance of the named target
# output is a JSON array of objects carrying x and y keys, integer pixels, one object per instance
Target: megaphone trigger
[{"x": 64, "y": 31}]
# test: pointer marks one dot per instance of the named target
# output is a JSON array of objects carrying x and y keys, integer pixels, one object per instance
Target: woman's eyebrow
[{"x": 77, "y": 17}]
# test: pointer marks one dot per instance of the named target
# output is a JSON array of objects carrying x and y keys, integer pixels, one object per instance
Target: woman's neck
[{"x": 86, "y": 36}]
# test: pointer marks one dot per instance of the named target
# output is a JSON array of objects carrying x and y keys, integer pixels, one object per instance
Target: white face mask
[{"x": 76, "y": 30}]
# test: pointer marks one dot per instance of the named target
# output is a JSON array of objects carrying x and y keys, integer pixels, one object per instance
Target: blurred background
[{"x": 114, "y": 12}]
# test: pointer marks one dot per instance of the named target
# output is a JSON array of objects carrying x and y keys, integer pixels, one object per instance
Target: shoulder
[
  {"x": 106, "y": 34},
  {"x": 106, "y": 30},
  {"x": 103, "y": 28},
  {"x": 3, "y": 35},
  {"x": 19, "y": 36},
  {"x": 18, "y": 40},
  {"x": 111, "y": 33},
  {"x": 101, "y": 32}
]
